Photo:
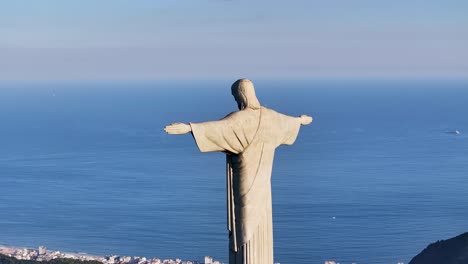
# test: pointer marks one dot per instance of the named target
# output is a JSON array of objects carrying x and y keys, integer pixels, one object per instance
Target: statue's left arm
[
  {"x": 225, "y": 135},
  {"x": 177, "y": 128}
]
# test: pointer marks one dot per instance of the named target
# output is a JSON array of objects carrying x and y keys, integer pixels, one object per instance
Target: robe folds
[{"x": 249, "y": 138}]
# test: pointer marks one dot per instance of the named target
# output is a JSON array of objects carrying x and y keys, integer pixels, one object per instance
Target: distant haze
[{"x": 205, "y": 39}]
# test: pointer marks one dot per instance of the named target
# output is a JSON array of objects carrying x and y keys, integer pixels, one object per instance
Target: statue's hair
[{"x": 245, "y": 89}]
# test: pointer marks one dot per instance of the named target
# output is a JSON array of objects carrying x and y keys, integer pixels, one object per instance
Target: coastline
[{"x": 44, "y": 254}]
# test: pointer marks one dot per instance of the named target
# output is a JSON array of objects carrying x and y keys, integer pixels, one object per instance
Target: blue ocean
[{"x": 379, "y": 174}]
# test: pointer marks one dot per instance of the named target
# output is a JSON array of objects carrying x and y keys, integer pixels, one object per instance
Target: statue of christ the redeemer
[{"x": 249, "y": 138}]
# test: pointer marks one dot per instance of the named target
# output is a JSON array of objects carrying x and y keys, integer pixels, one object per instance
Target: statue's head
[{"x": 244, "y": 94}]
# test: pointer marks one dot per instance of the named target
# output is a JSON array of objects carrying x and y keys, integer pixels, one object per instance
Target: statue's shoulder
[
  {"x": 232, "y": 114},
  {"x": 270, "y": 113},
  {"x": 266, "y": 110},
  {"x": 243, "y": 114}
]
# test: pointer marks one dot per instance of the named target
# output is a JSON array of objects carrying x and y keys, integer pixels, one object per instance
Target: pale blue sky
[{"x": 213, "y": 39}]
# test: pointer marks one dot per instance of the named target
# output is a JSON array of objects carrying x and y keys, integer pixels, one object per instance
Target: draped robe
[{"x": 249, "y": 138}]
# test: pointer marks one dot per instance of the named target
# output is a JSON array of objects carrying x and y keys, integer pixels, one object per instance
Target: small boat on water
[{"x": 454, "y": 132}]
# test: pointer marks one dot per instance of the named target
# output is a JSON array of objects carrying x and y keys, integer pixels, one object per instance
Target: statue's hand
[
  {"x": 305, "y": 119},
  {"x": 177, "y": 128}
]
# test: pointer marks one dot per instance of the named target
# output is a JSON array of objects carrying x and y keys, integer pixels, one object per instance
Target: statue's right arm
[
  {"x": 178, "y": 128},
  {"x": 305, "y": 119}
]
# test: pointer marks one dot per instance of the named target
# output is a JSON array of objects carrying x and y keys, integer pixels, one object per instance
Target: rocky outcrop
[{"x": 450, "y": 251}]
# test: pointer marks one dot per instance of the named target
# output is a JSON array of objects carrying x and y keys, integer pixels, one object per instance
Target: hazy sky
[{"x": 212, "y": 39}]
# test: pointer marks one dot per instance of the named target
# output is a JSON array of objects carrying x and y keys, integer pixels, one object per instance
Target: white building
[{"x": 208, "y": 260}]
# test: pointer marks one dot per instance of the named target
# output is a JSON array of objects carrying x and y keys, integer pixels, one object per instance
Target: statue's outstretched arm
[
  {"x": 305, "y": 119},
  {"x": 178, "y": 128}
]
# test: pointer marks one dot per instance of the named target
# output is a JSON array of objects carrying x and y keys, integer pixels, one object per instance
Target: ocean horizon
[{"x": 87, "y": 167}]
